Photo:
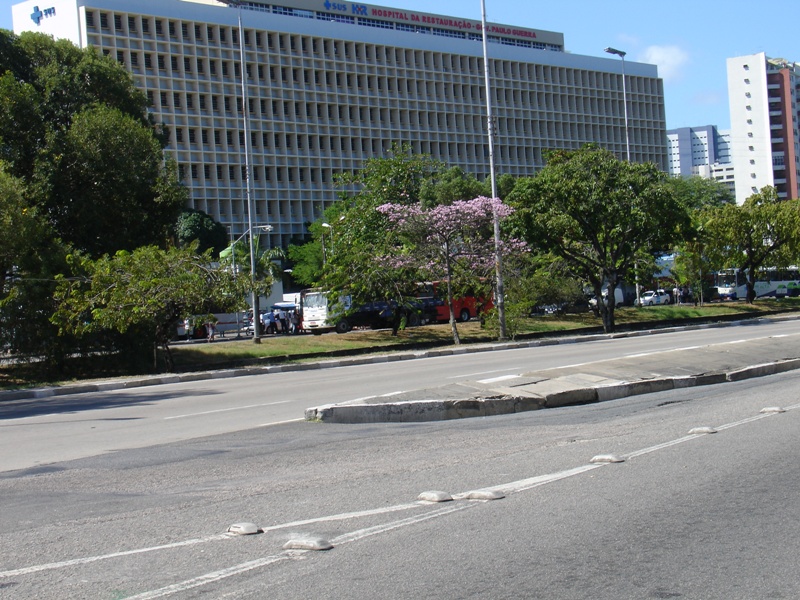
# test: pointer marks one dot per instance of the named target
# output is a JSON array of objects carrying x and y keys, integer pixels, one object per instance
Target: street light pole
[
  {"x": 621, "y": 54},
  {"x": 233, "y": 264},
  {"x": 246, "y": 127},
  {"x": 498, "y": 258},
  {"x": 329, "y": 227}
]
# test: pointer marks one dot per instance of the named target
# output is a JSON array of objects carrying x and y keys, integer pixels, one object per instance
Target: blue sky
[{"x": 688, "y": 40}]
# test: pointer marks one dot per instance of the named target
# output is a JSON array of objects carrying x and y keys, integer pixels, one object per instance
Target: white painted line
[
  {"x": 344, "y": 516},
  {"x": 390, "y": 394},
  {"x": 91, "y": 559},
  {"x": 221, "y": 410},
  {"x": 532, "y": 482},
  {"x": 472, "y": 375},
  {"x": 508, "y": 488},
  {"x": 501, "y": 378},
  {"x": 643, "y": 451},
  {"x": 215, "y": 576},
  {"x": 281, "y": 422},
  {"x": 360, "y": 534}
]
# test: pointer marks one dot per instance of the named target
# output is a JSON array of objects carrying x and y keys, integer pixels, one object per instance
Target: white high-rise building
[
  {"x": 331, "y": 84},
  {"x": 702, "y": 151},
  {"x": 765, "y": 144}
]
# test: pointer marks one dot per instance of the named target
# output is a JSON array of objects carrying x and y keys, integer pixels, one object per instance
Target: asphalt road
[
  {"x": 706, "y": 516},
  {"x": 36, "y": 432}
]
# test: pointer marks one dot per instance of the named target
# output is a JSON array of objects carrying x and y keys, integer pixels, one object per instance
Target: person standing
[{"x": 211, "y": 331}]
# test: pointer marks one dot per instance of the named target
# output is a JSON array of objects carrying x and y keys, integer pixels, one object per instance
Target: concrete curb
[
  {"x": 491, "y": 405},
  {"x": 134, "y": 382}
]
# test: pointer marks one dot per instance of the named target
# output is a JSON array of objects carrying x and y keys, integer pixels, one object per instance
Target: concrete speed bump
[
  {"x": 435, "y": 496},
  {"x": 303, "y": 542}
]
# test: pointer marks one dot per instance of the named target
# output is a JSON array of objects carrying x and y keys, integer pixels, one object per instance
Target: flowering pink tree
[{"x": 448, "y": 239}]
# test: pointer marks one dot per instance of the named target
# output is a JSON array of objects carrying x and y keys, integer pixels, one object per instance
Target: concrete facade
[
  {"x": 330, "y": 85},
  {"x": 765, "y": 138},
  {"x": 701, "y": 151}
]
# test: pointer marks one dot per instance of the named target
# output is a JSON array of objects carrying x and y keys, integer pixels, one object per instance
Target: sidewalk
[{"x": 594, "y": 382}]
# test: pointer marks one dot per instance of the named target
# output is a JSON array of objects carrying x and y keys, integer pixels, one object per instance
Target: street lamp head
[
  {"x": 327, "y": 225},
  {"x": 619, "y": 53},
  {"x": 263, "y": 227}
]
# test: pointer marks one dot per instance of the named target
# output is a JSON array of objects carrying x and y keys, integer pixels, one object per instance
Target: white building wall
[
  {"x": 324, "y": 96},
  {"x": 751, "y": 142}
]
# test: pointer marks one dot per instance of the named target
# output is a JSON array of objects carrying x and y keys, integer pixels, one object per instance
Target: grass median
[
  {"x": 230, "y": 352},
  {"x": 277, "y": 348}
]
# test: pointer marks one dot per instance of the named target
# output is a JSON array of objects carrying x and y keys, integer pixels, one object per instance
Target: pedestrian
[
  {"x": 211, "y": 331},
  {"x": 270, "y": 319},
  {"x": 284, "y": 321}
]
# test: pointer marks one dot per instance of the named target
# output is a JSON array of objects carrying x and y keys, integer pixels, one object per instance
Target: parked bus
[
  {"x": 731, "y": 284},
  {"x": 317, "y": 316}
]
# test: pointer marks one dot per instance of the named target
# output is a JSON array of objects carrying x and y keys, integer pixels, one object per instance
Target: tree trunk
[{"x": 453, "y": 327}]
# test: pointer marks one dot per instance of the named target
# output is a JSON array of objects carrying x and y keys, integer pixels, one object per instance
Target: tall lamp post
[
  {"x": 498, "y": 258},
  {"x": 621, "y": 54},
  {"x": 246, "y": 127},
  {"x": 233, "y": 264}
]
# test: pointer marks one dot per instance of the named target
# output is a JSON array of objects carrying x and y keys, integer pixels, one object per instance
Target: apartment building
[
  {"x": 765, "y": 144},
  {"x": 328, "y": 85},
  {"x": 701, "y": 151}
]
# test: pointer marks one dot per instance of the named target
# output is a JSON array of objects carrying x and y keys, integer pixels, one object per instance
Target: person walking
[{"x": 284, "y": 321}]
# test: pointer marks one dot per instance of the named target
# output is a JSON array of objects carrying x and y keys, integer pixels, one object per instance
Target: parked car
[
  {"x": 654, "y": 298},
  {"x": 619, "y": 298}
]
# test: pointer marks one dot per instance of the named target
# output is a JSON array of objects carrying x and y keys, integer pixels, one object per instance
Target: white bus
[{"x": 770, "y": 283}]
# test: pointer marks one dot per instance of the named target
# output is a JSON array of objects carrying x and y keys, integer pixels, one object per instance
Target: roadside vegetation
[
  {"x": 100, "y": 260},
  {"x": 229, "y": 352}
]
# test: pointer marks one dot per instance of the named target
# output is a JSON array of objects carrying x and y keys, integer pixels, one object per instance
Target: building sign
[
  {"x": 364, "y": 10},
  {"x": 38, "y": 15}
]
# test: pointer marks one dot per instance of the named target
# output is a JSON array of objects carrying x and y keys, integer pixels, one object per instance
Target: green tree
[
  {"x": 100, "y": 191},
  {"x": 692, "y": 263},
  {"x": 451, "y": 185},
  {"x": 268, "y": 266},
  {"x": 598, "y": 214},
  {"x": 70, "y": 79},
  {"x": 763, "y": 232},
  {"x": 699, "y": 193},
  {"x": 306, "y": 261},
  {"x": 358, "y": 235},
  {"x": 148, "y": 291},
  {"x": 196, "y": 225},
  {"x": 446, "y": 241},
  {"x": 77, "y": 135},
  {"x": 30, "y": 256}
]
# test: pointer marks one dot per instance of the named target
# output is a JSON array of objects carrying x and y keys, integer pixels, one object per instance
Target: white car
[{"x": 653, "y": 298}]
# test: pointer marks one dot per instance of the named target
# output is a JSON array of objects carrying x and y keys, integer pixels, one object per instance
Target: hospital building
[{"x": 328, "y": 85}]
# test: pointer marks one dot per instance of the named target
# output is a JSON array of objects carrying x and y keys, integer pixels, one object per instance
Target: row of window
[
  {"x": 195, "y": 33},
  {"x": 557, "y": 108},
  {"x": 391, "y": 83},
  {"x": 504, "y": 73}
]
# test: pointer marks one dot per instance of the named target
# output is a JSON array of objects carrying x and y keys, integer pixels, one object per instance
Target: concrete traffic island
[{"x": 586, "y": 384}]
